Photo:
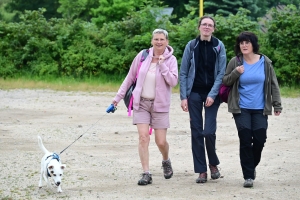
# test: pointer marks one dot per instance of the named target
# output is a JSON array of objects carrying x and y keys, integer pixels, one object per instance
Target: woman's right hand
[
  {"x": 115, "y": 103},
  {"x": 240, "y": 69}
]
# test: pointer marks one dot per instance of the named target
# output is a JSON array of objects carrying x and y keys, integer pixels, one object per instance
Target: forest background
[{"x": 98, "y": 39}]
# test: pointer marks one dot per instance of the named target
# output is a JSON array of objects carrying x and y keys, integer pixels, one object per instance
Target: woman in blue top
[{"x": 254, "y": 91}]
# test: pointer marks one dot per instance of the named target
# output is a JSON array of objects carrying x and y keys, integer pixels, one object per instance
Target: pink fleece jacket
[{"x": 166, "y": 78}]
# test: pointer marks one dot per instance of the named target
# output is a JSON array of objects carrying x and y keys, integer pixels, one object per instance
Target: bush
[
  {"x": 78, "y": 49},
  {"x": 282, "y": 38}
]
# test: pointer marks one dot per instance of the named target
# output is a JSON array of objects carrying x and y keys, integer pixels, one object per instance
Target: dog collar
[{"x": 54, "y": 156}]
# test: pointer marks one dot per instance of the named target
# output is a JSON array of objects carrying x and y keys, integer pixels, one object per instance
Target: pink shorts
[{"x": 146, "y": 115}]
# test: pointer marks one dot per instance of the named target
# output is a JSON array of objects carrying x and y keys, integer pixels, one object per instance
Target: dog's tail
[{"x": 41, "y": 145}]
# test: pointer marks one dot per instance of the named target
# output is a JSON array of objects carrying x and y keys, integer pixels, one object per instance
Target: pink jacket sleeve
[{"x": 129, "y": 78}]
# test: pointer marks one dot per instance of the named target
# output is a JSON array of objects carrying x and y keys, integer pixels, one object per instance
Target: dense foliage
[
  {"x": 79, "y": 49},
  {"x": 113, "y": 10},
  {"x": 281, "y": 42}
]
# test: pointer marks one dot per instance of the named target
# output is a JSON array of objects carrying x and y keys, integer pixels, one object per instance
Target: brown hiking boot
[
  {"x": 167, "y": 167},
  {"x": 214, "y": 172},
  {"x": 146, "y": 179},
  {"x": 202, "y": 178}
]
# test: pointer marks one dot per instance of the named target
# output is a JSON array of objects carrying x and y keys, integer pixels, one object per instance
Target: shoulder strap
[
  {"x": 218, "y": 47},
  {"x": 238, "y": 61},
  {"x": 144, "y": 54},
  {"x": 192, "y": 45}
]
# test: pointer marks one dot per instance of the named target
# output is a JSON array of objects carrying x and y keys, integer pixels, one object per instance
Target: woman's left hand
[
  {"x": 161, "y": 59},
  {"x": 277, "y": 113}
]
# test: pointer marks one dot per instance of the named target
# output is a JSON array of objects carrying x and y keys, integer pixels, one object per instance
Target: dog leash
[{"x": 110, "y": 108}]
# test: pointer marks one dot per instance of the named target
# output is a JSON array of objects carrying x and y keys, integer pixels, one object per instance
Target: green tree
[
  {"x": 284, "y": 2},
  {"x": 179, "y": 8},
  {"x": 228, "y": 28},
  {"x": 265, "y": 6},
  {"x": 21, "y": 6},
  {"x": 257, "y": 8},
  {"x": 124, "y": 39},
  {"x": 77, "y": 9},
  {"x": 283, "y": 36},
  {"x": 114, "y": 10},
  {"x": 71, "y": 9},
  {"x": 222, "y": 7}
]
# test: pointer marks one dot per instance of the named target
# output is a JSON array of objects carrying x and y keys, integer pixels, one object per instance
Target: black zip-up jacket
[{"x": 205, "y": 59}]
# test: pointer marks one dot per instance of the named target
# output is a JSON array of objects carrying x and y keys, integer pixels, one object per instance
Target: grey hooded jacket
[{"x": 187, "y": 69}]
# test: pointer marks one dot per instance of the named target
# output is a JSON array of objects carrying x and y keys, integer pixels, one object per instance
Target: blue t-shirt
[{"x": 251, "y": 86}]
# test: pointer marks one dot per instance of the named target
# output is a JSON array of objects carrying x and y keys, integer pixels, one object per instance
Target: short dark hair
[
  {"x": 204, "y": 17},
  {"x": 246, "y": 36}
]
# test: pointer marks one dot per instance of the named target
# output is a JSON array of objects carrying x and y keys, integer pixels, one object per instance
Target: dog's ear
[
  {"x": 50, "y": 167},
  {"x": 63, "y": 166}
]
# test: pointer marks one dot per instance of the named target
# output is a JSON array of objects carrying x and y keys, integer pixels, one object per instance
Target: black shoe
[
  {"x": 146, "y": 179},
  {"x": 168, "y": 171}
]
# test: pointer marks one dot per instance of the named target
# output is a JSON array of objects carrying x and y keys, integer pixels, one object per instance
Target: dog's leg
[
  {"x": 59, "y": 189},
  {"x": 41, "y": 179},
  {"x": 45, "y": 175}
]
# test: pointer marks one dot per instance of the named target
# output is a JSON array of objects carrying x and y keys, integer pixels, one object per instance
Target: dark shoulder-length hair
[{"x": 246, "y": 36}]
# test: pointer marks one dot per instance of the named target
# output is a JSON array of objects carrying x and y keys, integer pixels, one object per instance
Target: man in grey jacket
[{"x": 201, "y": 72}]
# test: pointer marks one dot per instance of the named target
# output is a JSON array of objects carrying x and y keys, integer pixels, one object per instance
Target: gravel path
[{"x": 104, "y": 162}]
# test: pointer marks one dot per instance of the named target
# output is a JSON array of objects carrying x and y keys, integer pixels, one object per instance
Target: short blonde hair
[{"x": 158, "y": 30}]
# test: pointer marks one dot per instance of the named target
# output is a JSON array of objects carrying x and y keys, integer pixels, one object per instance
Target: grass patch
[
  {"x": 293, "y": 92},
  {"x": 62, "y": 84},
  {"x": 102, "y": 84}
]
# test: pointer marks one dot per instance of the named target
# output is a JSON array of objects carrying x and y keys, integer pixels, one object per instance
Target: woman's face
[
  {"x": 159, "y": 41},
  {"x": 207, "y": 27},
  {"x": 246, "y": 47}
]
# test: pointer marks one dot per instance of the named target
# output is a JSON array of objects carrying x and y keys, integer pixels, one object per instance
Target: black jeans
[
  {"x": 252, "y": 130},
  {"x": 199, "y": 131}
]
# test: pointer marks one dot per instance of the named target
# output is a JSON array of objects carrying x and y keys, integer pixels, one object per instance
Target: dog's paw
[{"x": 59, "y": 189}]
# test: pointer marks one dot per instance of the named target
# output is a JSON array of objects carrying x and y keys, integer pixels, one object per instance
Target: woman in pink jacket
[{"x": 151, "y": 99}]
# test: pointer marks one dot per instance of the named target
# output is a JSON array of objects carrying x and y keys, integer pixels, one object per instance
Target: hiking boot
[
  {"x": 202, "y": 178},
  {"x": 214, "y": 171},
  {"x": 248, "y": 183},
  {"x": 167, "y": 167},
  {"x": 146, "y": 179}
]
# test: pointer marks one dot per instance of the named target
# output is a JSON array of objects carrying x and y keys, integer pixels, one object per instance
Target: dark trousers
[
  {"x": 252, "y": 130},
  {"x": 200, "y": 132}
]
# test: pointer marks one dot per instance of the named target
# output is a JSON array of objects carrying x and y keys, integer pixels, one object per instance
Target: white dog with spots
[{"x": 51, "y": 167}]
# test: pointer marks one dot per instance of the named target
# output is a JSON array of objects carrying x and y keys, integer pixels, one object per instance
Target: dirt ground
[{"x": 104, "y": 162}]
